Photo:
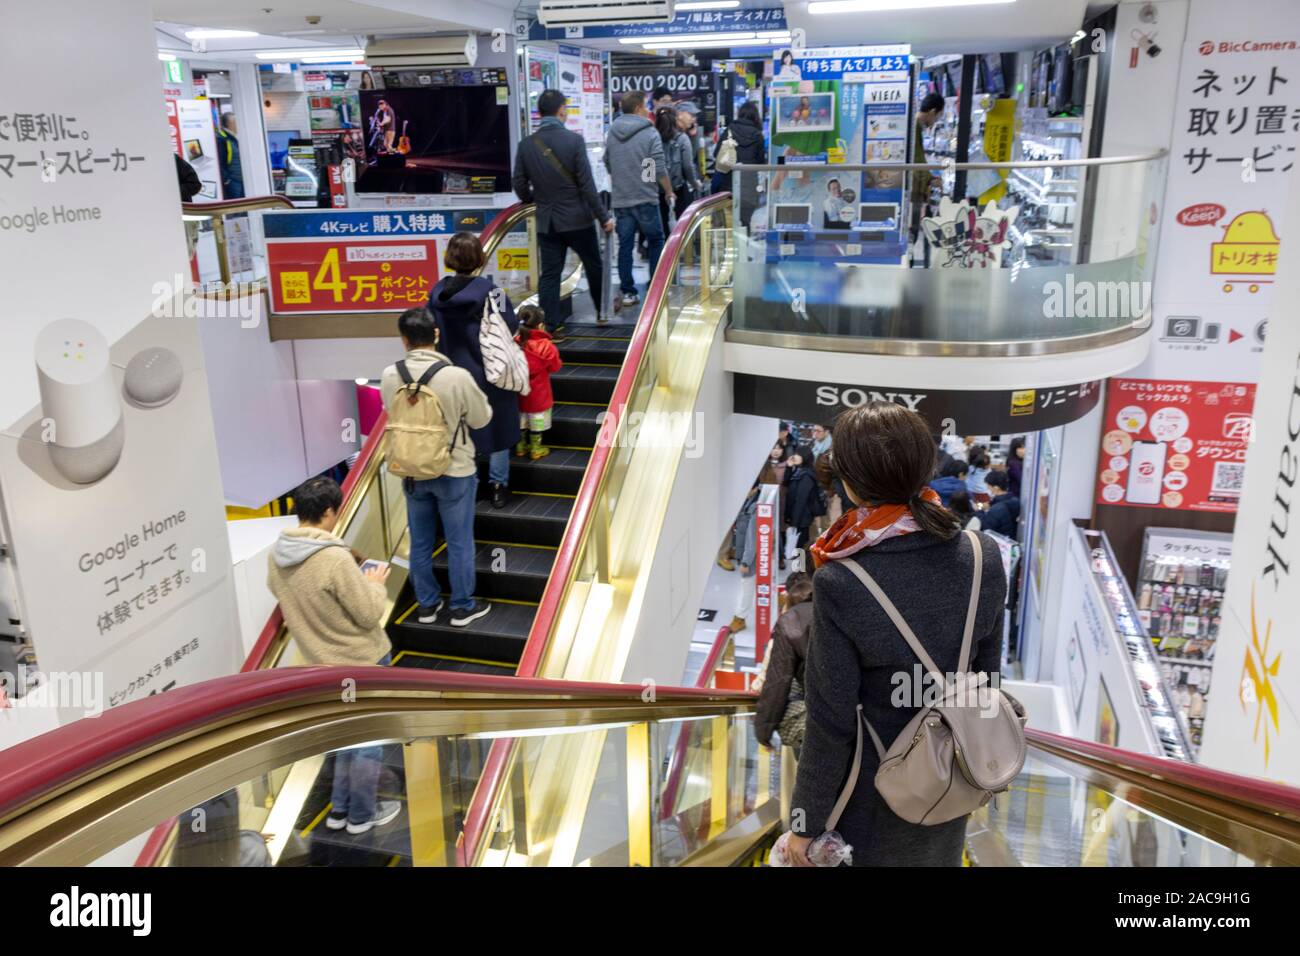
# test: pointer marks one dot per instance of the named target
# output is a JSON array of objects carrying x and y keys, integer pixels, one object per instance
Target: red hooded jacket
[{"x": 543, "y": 359}]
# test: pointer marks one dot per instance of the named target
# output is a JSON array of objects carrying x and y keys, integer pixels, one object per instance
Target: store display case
[
  {"x": 1179, "y": 601},
  {"x": 1158, "y": 702}
]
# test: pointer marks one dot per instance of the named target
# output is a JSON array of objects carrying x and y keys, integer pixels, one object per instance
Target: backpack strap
[
  {"x": 425, "y": 378},
  {"x": 549, "y": 155}
]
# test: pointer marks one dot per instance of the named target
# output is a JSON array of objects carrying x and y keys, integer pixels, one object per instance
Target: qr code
[{"x": 1228, "y": 476}]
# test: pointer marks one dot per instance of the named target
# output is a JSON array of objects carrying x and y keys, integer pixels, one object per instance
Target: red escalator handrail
[
  {"x": 1264, "y": 794},
  {"x": 33, "y": 769},
  {"x": 579, "y": 518}
]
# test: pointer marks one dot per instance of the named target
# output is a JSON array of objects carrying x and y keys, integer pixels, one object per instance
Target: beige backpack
[
  {"x": 419, "y": 444},
  {"x": 953, "y": 756}
]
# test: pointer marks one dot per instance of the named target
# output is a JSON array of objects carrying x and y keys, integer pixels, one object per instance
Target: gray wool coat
[{"x": 853, "y": 656}]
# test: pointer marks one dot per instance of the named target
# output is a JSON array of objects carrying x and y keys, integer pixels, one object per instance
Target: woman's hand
[{"x": 798, "y": 847}]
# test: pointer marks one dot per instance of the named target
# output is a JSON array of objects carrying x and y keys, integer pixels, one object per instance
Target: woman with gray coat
[{"x": 900, "y": 534}]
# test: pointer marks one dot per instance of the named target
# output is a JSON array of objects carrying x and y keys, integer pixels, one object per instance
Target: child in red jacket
[{"x": 543, "y": 359}]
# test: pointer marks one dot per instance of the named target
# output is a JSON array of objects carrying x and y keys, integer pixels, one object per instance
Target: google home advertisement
[{"x": 110, "y": 491}]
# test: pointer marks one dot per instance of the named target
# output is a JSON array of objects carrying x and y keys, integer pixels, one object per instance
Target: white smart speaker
[{"x": 79, "y": 397}]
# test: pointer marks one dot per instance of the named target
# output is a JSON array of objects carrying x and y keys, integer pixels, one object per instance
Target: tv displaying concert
[{"x": 450, "y": 139}]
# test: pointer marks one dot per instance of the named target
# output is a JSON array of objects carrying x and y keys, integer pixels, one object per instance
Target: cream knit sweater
[{"x": 334, "y": 614}]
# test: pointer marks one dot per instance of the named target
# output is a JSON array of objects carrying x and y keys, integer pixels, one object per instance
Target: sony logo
[{"x": 852, "y": 397}]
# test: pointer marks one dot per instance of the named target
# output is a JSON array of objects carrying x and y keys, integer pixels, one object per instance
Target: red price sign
[
  {"x": 593, "y": 79},
  {"x": 364, "y": 275}
]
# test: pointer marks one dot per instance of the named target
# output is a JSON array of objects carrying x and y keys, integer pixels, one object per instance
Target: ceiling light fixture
[
  {"x": 219, "y": 34},
  {"x": 283, "y": 56},
  {"x": 722, "y": 38},
  {"x": 719, "y": 40},
  {"x": 879, "y": 6},
  {"x": 166, "y": 57}
]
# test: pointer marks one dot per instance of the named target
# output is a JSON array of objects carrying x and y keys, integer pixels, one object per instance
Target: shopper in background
[
  {"x": 959, "y": 504},
  {"x": 926, "y": 116},
  {"x": 457, "y": 303},
  {"x": 975, "y": 477},
  {"x": 687, "y": 141},
  {"x": 804, "y": 501},
  {"x": 335, "y": 612},
  {"x": 543, "y": 361},
  {"x": 448, "y": 499},
  {"x": 666, "y": 125},
  {"x": 950, "y": 481},
  {"x": 1003, "y": 514},
  {"x": 232, "y": 173},
  {"x": 1016, "y": 464},
  {"x": 942, "y": 457},
  {"x": 747, "y": 131},
  {"x": 634, "y": 156},
  {"x": 661, "y": 98},
  {"x": 189, "y": 180},
  {"x": 552, "y": 170},
  {"x": 782, "y": 694},
  {"x": 900, "y": 535}
]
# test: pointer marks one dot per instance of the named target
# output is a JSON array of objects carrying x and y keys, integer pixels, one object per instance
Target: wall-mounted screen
[
  {"x": 803, "y": 113},
  {"x": 277, "y": 145}
]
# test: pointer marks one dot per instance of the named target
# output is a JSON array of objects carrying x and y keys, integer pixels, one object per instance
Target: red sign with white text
[
  {"x": 1177, "y": 445},
  {"x": 351, "y": 275},
  {"x": 764, "y": 579},
  {"x": 593, "y": 78}
]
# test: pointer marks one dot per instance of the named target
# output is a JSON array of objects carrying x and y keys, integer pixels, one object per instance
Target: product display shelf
[{"x": 1159, "y": 703}]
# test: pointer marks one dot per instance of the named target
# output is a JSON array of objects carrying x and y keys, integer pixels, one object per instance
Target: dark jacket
[
  {"x": 457, "y": 306},
  {"x": 1015, "y": 472},
  {"x": 750, "y": 148},
  {"x": 1002, "y": 516},
  {"x": 565, "y": 203},
  {"x": 946, "y": 486},
  {"x": 801, "y": 502},
  {"x": 789, "y": 651},
  {"x": 853, "y": 658},
  {"x": 189, "y": 180}
]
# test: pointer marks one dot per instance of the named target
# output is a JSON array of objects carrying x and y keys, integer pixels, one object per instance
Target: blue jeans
[
  {"x": 449, "y": 501},
  {"x": 499, "y": 467},
  {"x": 646, "y": 218},
  {"x": 356, "y": 779}
]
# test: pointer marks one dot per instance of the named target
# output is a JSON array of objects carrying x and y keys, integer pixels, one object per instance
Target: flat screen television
[
  {"x": 953, "y": 72},
  {"x": 453, "y": 139},
  {"x": 277, "y": 145},
  {"x": 1062, "y": 69},
  {"x": 991, "y": 68}
]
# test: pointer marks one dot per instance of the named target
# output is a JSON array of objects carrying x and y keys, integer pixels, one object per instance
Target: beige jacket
[
  {"x": 334, "y": 614},
  {"x": 458, "y": 394}
]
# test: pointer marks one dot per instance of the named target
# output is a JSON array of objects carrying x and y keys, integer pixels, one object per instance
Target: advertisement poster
[
  {"x": 358, "y": 261},
  {"x": 684, "y": 83},
  {"x": 198, "y": 144},
  {"x": 543, "y": 67},
  {"x": 1177, "y": 445},
  {"x": 593, "y": 99},
  {"x": 335, "y": 111},
  {"x": 766, "y": 544},
  {"x": 1234, "y": 143}
]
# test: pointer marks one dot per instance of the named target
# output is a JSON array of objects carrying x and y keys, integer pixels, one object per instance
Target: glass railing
[
  {"x": 836, "y": 257},
  {"x": 425, "y": 740},
  {"x": 226, "y": 240}
]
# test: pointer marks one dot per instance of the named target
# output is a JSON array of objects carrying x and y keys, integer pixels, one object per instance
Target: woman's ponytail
[{"x": 934, "y": 517}]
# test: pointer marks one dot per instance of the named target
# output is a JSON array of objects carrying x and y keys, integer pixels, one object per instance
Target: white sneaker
[
  {"x": 386, "y": 811},
  {"x": 631, "y": 298},
  {"x": 333, "y": 822},
  {"x": 429, "y": 615}
]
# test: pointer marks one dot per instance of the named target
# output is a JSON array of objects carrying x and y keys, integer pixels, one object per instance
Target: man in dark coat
[
  {"x": 803, "y": 502},
  {"x": 552, "y": 170},
  {"x": 1004, "y": 507}
]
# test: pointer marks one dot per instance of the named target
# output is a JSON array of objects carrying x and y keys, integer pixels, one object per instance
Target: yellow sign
[
  {"x": 295, "y": 288},
  {"x": 999, "y": 131},
  {"x": 1022, "y": 402},
  {"x": 512, "y": 260}
]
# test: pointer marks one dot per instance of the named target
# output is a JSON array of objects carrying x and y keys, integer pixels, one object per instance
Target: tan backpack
[
  {"x": 419, "y": 444},
  {"x": 953, "y": 756}
]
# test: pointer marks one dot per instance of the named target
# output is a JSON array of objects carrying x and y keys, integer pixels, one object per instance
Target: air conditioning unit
[
  {"x": 415, "y": 52},
  {"x": 576, "y": 13}
]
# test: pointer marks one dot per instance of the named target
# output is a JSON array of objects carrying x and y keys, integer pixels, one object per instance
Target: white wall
[
  {"x": 706, "y": 494},
  {"x": 250, "y": 544}
]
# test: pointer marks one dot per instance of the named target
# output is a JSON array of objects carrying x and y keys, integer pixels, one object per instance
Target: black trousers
[{"x": 553, "y": 246}]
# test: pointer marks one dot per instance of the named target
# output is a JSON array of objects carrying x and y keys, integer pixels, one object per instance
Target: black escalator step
[
  {"x": 593, "y": 351},
  {"x": 526, "y": 519},
  {"x": 575, "y": 425},
  {"x": 504, "y": 570},
  {"x": 559, "y": 473},
  {"x": 499, "y": 635},
  {"x": 595, "y": 331},
  {"x": 592, "y": 384},
  {"x": 435, "y": 662}
]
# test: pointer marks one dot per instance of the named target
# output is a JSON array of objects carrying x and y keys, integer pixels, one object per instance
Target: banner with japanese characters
[
  {"x": 1176, "y": 445},
  {"x": 359, "y": 261},
  {"x": 1236, "y": 127}
]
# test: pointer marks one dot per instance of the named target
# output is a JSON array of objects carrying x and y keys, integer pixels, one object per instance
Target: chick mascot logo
[{"x": 1247, "y": 254}]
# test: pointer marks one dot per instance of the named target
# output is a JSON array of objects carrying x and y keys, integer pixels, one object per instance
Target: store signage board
[
  {"x": 1230, "y": 168},
  {"x": 996, "y": 412},
  {"x": 343, "y": 262},
  {"x": 692, "y": 22},
  {"x": 1175, "y": 445},
  {"x": 767, "y": 542}
]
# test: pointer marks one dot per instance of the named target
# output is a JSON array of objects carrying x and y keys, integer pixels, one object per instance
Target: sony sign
[{"x": 833, "y": 395}]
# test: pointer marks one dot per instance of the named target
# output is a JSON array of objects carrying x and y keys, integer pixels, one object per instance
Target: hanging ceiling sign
[{"x": 696, "y": 21}]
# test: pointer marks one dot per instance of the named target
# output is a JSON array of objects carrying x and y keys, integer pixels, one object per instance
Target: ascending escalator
[{"x": 515, "y": 546}]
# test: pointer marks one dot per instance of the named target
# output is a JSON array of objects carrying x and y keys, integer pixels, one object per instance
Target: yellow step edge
[{"x": 451, "y": 657}]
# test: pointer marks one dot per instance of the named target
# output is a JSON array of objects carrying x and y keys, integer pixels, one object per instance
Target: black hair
[
  {"x": 530, "y": 317},
  {"x": 750, "y": 111},
  {"x": 784, "y": 54},
  {"x": 997, "y": 478},
  {"x": 798, "y": 588},
  {"x": 954, "y": 469},
  {"x": 549, "y": 103},
  {"x": 959, "y": 504},
  {"x": 978, "y": 459},
  {"x": 418, "y": 327},
  {"x": 666, "y": 123},
  {"x": 831, "y": 180},
  {"x": 1016, "y": 444},
  {"x": 932, "y": 102},
  {"x": 660, "y": 92},
  {"x": 315, "y": 496}
]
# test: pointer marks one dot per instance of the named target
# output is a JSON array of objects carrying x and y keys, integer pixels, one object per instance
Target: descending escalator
[{"x": 515, "y": 546}]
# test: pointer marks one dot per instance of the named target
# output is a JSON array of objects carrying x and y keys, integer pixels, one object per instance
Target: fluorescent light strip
[
  {"x": 283, "y": 55},
  {"x": 166, "y": 57},
  {"x": 725, "y": 41},
  {"x": 709, "y": 5},
  {"x": 879, "y": 6},
  {"x": 219, "y": 34},
  {"x": 687, "y": 38}
]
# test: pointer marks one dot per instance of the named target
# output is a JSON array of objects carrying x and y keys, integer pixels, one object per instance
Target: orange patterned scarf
[{"x": 864, "y": 527}]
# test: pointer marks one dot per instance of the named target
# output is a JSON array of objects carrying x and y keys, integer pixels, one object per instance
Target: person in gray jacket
[
  {"x": 552, "y": 170},
  {"x": 638, "y": 168}
]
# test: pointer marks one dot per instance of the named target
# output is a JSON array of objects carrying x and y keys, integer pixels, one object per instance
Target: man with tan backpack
[{"x": 432, "y": 407}]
